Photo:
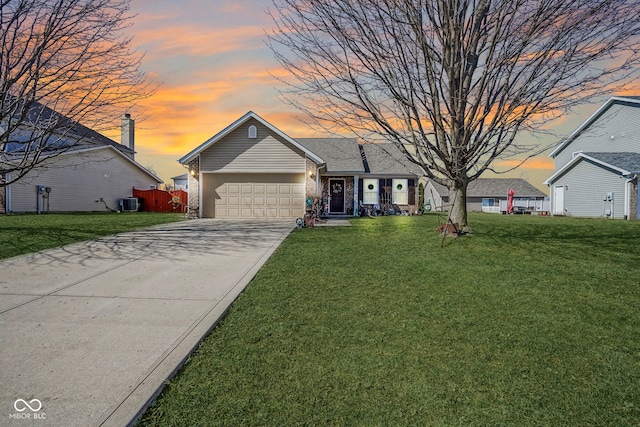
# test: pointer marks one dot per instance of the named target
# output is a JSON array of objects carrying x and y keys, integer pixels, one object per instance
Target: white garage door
[{"x": 256, "y": 196}]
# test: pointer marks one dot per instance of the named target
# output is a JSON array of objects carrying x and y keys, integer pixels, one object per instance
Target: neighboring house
[
  {"x": 488, "y": 195},
  {"x": 181, "y": 182},
  {"x": 597, "y": 165},
  {"x": 251, "y": 169},
  {"x": 94, "y": 174}
]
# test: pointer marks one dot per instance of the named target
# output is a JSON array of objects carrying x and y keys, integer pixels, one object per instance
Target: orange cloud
[
  {"x": 195, "y": 41},
  {"x": 539, "y": 162}
]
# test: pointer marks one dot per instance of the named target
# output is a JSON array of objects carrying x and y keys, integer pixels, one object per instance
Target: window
[
  {"x": 400, "y": 194},
  {"x": 253, "y": 132},
  {"x": 489, "y": 202},
  {"x": 370, "y": 191}
]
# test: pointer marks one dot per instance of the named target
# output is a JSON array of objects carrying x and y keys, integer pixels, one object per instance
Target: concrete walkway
[{"x": 89, "y": 331}]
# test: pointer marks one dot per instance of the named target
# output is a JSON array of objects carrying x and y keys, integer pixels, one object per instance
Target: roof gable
[
  {"x": 631, "y": 101},
  {"x": 233, "y": 126},
  {"x": 623, "y": 163}
]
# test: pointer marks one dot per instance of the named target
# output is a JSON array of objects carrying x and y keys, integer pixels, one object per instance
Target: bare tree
[
  {"x": 66, "y": 70},
  {"x": 452, "y": 82}
]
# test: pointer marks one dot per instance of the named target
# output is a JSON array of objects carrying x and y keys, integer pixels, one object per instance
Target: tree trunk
[{"x": 458, "y": 199}]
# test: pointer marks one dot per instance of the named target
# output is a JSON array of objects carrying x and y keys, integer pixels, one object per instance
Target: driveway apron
[{"x": 90, "y": 331}]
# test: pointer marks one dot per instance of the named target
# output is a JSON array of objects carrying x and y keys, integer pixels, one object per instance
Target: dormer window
[{"x": 253, "y": 132}]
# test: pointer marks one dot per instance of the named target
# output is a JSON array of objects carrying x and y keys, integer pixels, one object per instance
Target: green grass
[
  {"x": 530, "y": 321},
  {"x": 21, "y": 234}
]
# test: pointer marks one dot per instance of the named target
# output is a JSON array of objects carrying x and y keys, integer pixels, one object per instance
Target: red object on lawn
[{"x": 510, "y": 200}]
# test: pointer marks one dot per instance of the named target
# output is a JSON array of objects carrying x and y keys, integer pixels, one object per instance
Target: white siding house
[
  {"x": 93, "y": 175},
  {"x": 597, "y": 165}
]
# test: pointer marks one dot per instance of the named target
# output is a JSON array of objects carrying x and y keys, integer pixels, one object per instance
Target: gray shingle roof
[
  {"x": 70, "y": 131},
  {"x": 387, "y": 159},
  {"x": 340, "y": 154},
  {"x": 499, "y": 187},
  {"x": 496, "y": 187},
  {"x": 629, "y": 162}
]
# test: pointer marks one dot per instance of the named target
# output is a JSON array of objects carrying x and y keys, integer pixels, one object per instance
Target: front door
[
  {"x": 336, "y": 196},
  {"x": 558, "y": 200}
]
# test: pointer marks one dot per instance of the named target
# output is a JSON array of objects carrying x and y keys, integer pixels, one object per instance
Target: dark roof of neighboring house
[
  {"x": 69, "y": 132},
  {"x": 183, "y": 176},
  {"x": 387, "y": 159},
  {"x": 499, "y": 187},
  {"x": 495, "y": 187},
  {"x": 340, "y": 154},
  {"x": 629, "y": 162}
]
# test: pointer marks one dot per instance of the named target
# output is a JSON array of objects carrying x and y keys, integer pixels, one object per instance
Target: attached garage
[
  {"x": 247, "y": 195},
  {"x": 250, "y": 170}
]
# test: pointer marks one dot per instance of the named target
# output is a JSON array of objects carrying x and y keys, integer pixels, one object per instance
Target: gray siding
[
  {"x": 268, "y": 153},
  {"x": 620, "y": 121},
  {"x": 77, "y": 180},
  {"x": 587, "y": 186},
  {"x": 474, "y": 204},
  {"x": 432, "y": 196}
]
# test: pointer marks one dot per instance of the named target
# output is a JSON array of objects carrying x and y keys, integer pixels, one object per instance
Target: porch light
[{"x": 311, "y": 174}]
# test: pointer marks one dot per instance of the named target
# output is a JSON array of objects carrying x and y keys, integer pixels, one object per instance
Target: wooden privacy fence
[{"x": 161, "y": 201}]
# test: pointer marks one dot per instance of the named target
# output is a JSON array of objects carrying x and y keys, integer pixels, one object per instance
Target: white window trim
[
  {"x": 400, "y": 196},
  {"x": 370, "y": 197}
]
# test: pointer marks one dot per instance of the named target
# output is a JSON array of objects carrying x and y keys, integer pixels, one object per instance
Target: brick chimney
[{"x": 127, "y": 132}]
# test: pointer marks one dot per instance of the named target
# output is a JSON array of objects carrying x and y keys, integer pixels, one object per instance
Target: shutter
[
  {"x": 360, "y": 190},
  {"x": 412, "y": 192}
]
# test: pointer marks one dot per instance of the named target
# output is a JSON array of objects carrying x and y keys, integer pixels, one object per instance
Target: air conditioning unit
[{"x": 130, "y": 204}]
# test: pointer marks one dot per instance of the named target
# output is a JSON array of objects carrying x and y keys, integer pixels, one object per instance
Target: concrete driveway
[{"x": 89, "y": 331}]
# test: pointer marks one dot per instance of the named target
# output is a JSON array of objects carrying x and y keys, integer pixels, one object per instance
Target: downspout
[
  {"x": 627, "y": 196},
  {"x": 7, "y": 195}
]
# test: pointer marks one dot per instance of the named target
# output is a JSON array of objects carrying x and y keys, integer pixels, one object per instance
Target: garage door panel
[
  {"x": 272, "y": 201},
  {"x": 284, "y": 201},
  {"x": 272, "y": 189},
  {"x": 256, "y": 195}
]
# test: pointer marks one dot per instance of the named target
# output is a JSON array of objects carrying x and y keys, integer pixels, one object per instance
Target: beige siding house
[
  {"x": 251, "y": 169},
  {"x": 95, "y": 175}
]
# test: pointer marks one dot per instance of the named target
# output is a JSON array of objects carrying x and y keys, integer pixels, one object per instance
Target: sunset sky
[{"x": 213, "y": 66}]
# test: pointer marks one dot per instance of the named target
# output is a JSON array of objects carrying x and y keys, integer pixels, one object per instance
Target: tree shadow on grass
[{"x": 171, "y": 242}]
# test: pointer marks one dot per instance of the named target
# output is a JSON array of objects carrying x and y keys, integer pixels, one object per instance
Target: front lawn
[
  {"x": 531, "y": 321},
  {"x": 21, "y": 234}
]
